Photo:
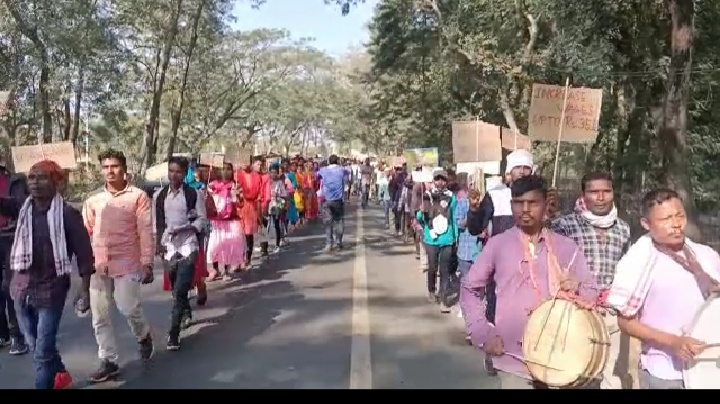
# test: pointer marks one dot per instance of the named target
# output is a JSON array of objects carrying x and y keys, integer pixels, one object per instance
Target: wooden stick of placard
[{"x": 560, "y": 131}]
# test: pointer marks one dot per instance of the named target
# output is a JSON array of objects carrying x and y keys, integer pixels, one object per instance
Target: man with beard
[
  {"x": 49, "y": 232},
  {"x": 513, "y": 259},
  {"x": 497, "y": 212},
  {"x": 604, "y": 238}
]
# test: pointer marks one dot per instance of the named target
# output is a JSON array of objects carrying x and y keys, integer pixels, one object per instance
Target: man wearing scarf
[
  {"x": 49, "y": 232},
  {"x": 659, "y": 285},
  {"x": 604, "y": 238}
]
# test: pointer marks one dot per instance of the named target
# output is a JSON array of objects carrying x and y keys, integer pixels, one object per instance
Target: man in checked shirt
[{"x": 604, "y": 238}]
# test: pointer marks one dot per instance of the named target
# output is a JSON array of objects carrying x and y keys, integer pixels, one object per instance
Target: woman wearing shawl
[
  {"x": 226, "y": 244},
  {"x": 250, "y": 181}
]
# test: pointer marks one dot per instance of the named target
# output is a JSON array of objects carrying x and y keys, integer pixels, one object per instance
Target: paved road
[{"x": 353, "y": 319}]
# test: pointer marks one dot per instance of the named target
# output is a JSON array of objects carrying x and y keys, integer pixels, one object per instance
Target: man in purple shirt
[{"x": 507, "y": 259}]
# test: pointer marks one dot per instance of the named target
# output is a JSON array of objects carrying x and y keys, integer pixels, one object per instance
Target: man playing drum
[
  {"x": 529, "y": 265},
  {"x": 659, "y": 285},
  {"x": 604, "y": 237}
]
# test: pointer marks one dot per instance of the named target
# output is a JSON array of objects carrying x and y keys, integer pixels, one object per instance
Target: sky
[{"x": 332, "y": 32}]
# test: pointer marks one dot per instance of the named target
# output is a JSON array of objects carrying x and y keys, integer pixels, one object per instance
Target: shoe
[
  {"x": 107, "y": 370},
  {"x": 489, "y": 367},
  {"x": 201, "y": 298},
  {"x": 4, "y": 342},
  {"x": 432, "y": 298},
  {"x": 63, "y": 381},
  {"x": 186, "y": 322},
  {"x": 444, "y": 309},
  {"x": 147, "y": 349},
  {"x": 173, "y": 343},
  {"x": 327, "y": 249},
  {"x": 18, "y": 347},
  {"x": 339, "y": 247}
]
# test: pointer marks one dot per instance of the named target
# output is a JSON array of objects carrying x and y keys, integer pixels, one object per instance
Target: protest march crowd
[{"x": 547, "y": 297}]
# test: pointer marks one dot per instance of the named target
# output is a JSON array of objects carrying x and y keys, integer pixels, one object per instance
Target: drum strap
[{"x": 554, "y": 272}]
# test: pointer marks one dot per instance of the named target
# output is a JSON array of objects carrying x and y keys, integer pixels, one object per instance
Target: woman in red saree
[{"x": 250, "y": 181}]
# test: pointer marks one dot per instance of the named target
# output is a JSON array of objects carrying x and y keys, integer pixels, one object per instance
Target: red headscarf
[{"x": 51, "y": 168}]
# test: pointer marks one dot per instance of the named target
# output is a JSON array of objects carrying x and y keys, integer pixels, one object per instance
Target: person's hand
[
  {"x": 82, "y": 303},
  {"x": 148, "y": 277},
  {"x": 552, "y": 210},
  {"x": 494, "y": 346},
  {"x": 686, "y": 348}
]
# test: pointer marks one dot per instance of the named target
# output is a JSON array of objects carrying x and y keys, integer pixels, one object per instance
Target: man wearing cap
[
  {"x": 439, "y": 236},
  {"x": 496, "y": 211}
]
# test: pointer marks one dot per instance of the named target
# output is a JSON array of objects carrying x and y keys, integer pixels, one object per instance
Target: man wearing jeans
[
  {"x": 333, "y": 208},
  {"x": 179, "y": 217}
]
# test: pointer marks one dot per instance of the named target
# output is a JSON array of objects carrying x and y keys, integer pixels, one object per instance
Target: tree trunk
[
  {"x": 674, "y": 126},
  {"x": 177, "y": 113},
  {"x": 150, "y": 145},
  {"x": 78, "y": 101}
]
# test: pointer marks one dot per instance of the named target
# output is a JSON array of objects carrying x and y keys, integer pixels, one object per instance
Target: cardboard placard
[
  {"x": 475, "y": 141},
  {"x": 582, "y": 113},
  {"x": 424, "y": 175},
  {"x": 397, "y": 161},
  {"x": 428, "y": 156},
  {"x": 514, "y": 141},
  {"x": 212, "y": 159},
  {"x": 63, "y": 153},
  {"x": 239, "y": 158}
]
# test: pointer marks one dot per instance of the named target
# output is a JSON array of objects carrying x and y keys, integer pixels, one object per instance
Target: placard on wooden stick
[
  {"x": 24, "y": 157},
  {"x": 239, "y": 158},
  {"x": 212, "y": 159},
  {"x": 582, "y": 113},
  {"x": 514, "y": 141},
  {"x": 475, "y": 141}
]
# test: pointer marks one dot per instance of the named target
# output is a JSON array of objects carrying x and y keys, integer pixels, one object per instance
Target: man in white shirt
[{"x": 179, "y": 217}]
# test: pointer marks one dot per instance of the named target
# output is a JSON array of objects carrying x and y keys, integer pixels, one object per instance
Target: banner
[
  {"x": 475, "y": 141},
  {"x": 582, "y": 113},
  {"x": 24, "y": 157},
  {"x": 428, "y": 156}
]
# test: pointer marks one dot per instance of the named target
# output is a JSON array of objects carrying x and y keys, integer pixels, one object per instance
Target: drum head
[
  {"x": 558, "y": 343},
  {"x": 704, "y": 371}
]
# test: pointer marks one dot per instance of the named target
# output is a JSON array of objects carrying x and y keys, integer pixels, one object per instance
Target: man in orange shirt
[{"x": 119, "y": 221}]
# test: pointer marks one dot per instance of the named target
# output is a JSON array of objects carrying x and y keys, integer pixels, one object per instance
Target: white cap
[{"x": 518, "y": 158}]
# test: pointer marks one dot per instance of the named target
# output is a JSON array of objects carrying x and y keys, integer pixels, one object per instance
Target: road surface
[{"x": 353, "y": 319}]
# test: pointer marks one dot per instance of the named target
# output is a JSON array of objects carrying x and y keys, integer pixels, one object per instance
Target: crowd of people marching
[
  {"x": 205, "y": 224},
  {"x": 510, "y": 250},
  {"x": 499, "y": 254}
]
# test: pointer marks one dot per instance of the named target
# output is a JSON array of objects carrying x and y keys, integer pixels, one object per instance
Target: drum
[
  {"x": 565, "y": 345},
  {"x": 704, "y": 371}
]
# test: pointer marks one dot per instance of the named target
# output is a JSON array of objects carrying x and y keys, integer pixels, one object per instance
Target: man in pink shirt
[
  {"x": 659, "y": 285},
  {"x": 119, "y": 221},
  {"x": 511, "y": 259}
]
